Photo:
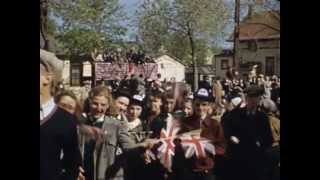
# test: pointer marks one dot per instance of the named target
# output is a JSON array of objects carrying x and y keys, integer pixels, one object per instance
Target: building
[
  {"x": 169, "y": 67},
  {"x": 222, "y": 62},
  {"x": 259, "y": 43},
  {"x": 203, "y": 70}
]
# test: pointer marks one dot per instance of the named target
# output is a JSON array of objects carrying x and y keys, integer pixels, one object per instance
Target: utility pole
[{"x": 236, "y": 35}]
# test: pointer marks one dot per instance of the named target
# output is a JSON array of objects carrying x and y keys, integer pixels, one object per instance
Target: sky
[{"x": 130, "y": 7}]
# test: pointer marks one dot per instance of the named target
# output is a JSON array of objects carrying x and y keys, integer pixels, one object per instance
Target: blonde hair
[{"x": 103, "y": 91}]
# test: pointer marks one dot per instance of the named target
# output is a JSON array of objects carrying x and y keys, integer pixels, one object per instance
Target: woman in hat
[
  {"x": 135, "y": 124},
  {"x": 135, "y": 164}
]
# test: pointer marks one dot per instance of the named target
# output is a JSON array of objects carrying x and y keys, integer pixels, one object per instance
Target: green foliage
[
  {"x": 87, "y": 24},
  {"x": 171, "y": 24}
]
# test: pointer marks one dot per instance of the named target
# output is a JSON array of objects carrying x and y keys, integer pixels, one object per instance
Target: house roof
[
  {"x": 262, "y": 25},
  {"x": 225, "y": 53},
  {"x": 202, "y": 69},
  {"x": 176, "y": 60}
]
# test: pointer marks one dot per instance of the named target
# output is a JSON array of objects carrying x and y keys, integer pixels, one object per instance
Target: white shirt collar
[
  {"x": 100, "y": 119},
  {"x": 47, "y": 108},
  {"x": 134, "y": 123}
]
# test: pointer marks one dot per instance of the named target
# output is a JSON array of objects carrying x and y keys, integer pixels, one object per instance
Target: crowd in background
[
  {"x": 118, "y": 124},
  {"x": 120, "y": 56}
]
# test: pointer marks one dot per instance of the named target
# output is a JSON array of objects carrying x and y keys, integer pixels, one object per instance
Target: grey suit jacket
[{"x": 106, "y": 163}]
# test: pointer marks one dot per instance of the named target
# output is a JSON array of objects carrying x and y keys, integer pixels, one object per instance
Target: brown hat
[{"x": 52, "y": 64}]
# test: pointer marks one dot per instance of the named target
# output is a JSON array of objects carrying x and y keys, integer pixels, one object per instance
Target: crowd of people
[
  {"x": 120, "y": 56},
  {"x": 113, "y": 132}
]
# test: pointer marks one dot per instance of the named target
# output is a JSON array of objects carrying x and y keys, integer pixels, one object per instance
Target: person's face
[
  {"x": 188, "y": 109},
  {"x": 252, "y": 102},
  {"x": 267, "y": 78},
  {"x": 170, "y": 104},
  {"x": 134, "y": 112},
  {"x": 201, "y": 108},
  {"x": 99, "y": 106},
  {"x": 68, "y": 104},
  {"x": 45, "y": 80},
  {"x": 156, "y": 104},
  {"x": 122, "y": 104}
]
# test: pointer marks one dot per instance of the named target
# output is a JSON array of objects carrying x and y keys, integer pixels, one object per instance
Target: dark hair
[
  {"x": 158, "y": 94},
  {"x": 122, "y": 93}
]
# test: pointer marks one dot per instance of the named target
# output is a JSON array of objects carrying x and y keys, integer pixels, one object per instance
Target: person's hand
[
  {"x": 149, "y": 143},
  {"x": 148, "y": 156},
  {"x": 234, "y": 140},
  {"x": 81, "y": 176},
  {"x": 92, "y": 132}
]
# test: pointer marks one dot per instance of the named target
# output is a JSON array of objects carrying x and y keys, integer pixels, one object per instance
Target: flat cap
[{"x": 52, "y": 64}]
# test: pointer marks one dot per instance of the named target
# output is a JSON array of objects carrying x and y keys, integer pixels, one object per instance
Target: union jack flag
[
  {"x": 166, "y": 150},
  {"x": 196, "y": 145}
]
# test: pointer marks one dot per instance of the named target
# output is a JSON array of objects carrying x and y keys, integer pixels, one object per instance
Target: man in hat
[
  {"x": 205, "y": 83},
  {"x": 202, "y": 167},
  {"x": 248, "y": 133},
  {"x": 58, "y": 129},
  {"x": 122, "y": 100}
]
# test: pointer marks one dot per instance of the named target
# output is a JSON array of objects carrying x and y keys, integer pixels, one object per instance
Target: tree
[
  {"x": 86, "y": 25},
  {"x": 189, "y": 24},
  {"x": 44, "y": 42}
]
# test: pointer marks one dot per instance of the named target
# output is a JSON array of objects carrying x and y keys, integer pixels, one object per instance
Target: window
[
  {"x": 224, "y": 64},
  {"x": 75, "y": 75},
  {"x": 252, "y": 46},
  {"x": 162, "y": 66},
  {"x": 270, "y": 65}
]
